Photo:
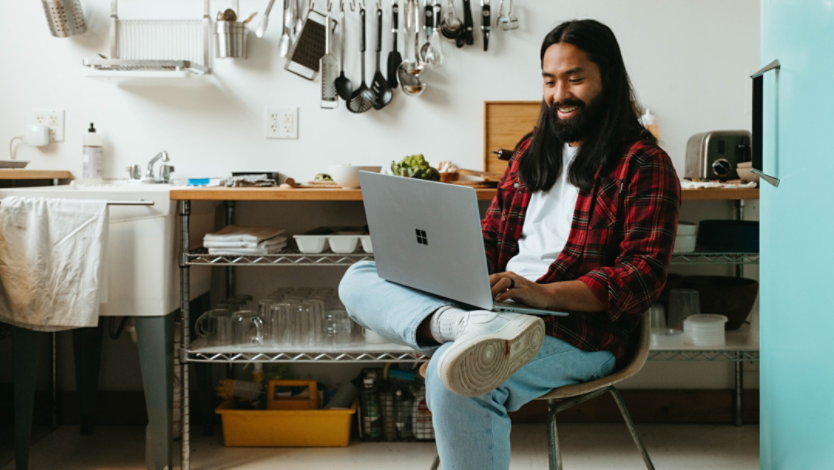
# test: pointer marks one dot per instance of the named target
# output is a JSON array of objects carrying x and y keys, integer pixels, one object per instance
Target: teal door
[{"x": 797, "y": 236}]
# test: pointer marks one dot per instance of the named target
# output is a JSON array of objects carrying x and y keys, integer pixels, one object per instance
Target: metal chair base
[{"x": 555, "y": 406}]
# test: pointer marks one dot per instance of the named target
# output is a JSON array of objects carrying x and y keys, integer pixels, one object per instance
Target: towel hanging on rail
[{"x": 52, "y": 266}]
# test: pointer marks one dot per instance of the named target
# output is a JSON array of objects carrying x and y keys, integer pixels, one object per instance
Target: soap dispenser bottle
[{"x": 91, "y": 169}]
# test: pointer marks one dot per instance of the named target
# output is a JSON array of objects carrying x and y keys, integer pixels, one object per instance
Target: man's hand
[{"x": 524, "y": 291}]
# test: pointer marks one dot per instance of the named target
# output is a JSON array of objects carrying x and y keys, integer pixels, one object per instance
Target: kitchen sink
[{"x": 143, "y": 272}]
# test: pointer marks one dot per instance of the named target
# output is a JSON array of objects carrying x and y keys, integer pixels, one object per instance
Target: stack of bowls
[
  {"x": 686, "y": 237},
  {"x": 705, "y": 330}
]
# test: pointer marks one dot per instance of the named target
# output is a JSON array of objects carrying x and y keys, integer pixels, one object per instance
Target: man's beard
[{"x": 578, "y": 127}]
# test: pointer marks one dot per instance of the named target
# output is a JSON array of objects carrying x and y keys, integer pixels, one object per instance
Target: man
[{"x": 583, "y": 221}]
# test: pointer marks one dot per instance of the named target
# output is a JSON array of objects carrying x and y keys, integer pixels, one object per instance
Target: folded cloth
[
  {"x": 265, "y": 250},
  {"x": 687, "y": 184},
  {"x": 242, "y": 233},
  {"x": 241, "y": 244},
  {"x": 52, "y": 262}
]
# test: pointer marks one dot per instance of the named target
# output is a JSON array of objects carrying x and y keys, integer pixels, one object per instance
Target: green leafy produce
[
  {"x": 323, "y": 177},
  {"x": 415, "y": 166}
]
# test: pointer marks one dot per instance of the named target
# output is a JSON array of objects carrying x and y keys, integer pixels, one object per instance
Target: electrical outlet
[
  {"x": 53, "y": 119},
  {"x": 281, "y": 123}
]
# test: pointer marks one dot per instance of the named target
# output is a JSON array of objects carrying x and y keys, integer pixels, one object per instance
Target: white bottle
[
  {"x": 649, "y": 121},
  {"x": 91, "y": 167}
]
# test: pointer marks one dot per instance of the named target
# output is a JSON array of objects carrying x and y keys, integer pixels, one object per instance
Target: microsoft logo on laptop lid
[{"x": 421, "y": 237}]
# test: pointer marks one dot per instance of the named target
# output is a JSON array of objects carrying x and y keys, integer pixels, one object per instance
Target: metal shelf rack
[{"x": 737, "y": 350}]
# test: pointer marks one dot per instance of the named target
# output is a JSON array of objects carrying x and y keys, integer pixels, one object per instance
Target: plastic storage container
[{"x": 285, "y": 428}]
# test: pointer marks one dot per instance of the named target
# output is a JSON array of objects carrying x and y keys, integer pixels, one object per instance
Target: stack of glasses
[{"x": 303, "y": 317}]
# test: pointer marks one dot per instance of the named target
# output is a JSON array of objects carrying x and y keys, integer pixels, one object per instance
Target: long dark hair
[{"x": 617, "y": 125}]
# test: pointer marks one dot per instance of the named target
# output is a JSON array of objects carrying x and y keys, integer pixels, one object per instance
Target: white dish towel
[{"x": 52, "y": 266}]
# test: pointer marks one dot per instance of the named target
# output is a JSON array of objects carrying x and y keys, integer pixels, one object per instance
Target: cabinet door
[{"x": 797, "y": 236}]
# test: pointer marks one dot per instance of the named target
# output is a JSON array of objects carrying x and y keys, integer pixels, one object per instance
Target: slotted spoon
[{"x": 363, "y": 98}]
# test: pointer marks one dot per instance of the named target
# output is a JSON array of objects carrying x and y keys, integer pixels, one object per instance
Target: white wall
[{"x": 688, "y": 61}]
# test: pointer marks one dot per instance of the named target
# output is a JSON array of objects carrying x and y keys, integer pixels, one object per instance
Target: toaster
[{"x": 714, "y": 155}]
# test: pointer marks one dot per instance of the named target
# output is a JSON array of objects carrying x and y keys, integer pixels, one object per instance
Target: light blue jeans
[{"x": 472, "y": 433}]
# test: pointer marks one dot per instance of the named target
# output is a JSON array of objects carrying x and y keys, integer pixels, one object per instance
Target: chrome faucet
[{"x": 164, "y": 170}]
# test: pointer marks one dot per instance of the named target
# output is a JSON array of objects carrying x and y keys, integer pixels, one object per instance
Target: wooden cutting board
[{"x": 505, "y": 123}]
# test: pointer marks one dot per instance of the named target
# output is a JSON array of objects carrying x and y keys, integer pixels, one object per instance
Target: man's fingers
[{"x": 501, "y": 286}]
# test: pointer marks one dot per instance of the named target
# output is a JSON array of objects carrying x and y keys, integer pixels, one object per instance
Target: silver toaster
[{"x": 715, "y": 155}]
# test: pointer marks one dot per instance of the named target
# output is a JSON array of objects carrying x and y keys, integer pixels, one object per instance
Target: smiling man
[{"x": 583, "y": 221}]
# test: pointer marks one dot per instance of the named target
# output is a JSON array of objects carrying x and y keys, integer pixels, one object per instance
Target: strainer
[{"x": 65, "y": 17}]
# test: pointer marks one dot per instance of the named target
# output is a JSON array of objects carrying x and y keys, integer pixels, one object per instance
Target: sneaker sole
[{"x": 474, "y": 367}]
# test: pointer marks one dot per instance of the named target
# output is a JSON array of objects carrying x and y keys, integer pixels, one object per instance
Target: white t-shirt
[{"x": 546, "y": 224}]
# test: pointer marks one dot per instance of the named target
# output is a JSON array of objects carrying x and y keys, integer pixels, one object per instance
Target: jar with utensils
[
  {"x": 705, "y": 330},
  {"x": 230, "y": 38},
  {"x": 248, "y": 328},
  {"x": 682, "y": 303},
  {"x": 215, "y": 326}
]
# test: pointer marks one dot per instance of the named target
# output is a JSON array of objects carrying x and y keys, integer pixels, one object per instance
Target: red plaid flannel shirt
[{"x": 620, "y": 243}]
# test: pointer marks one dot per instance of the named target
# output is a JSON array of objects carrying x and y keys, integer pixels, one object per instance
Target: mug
[
  {"x": 215, "y": 326},
  {"x": 248, "y": 328}
]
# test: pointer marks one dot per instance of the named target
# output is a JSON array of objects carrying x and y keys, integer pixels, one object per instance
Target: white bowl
[
  {"x": 343, "y": 243},
  {"x": 347, "y": 176},
  {"x": 685, "y": 243},
  {"x": 687, "y": 228},
  {"x": 366, "y": 243},
  {"x": 311, "y": 243}
]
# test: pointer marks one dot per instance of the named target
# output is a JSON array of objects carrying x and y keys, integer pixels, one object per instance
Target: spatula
[
  {"x": 382, "y": 92},
  {"x": 362, "y": 99},
  {"x": 394, "y": 57}
]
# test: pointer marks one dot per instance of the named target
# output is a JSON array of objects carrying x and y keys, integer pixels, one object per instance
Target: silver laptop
[{"x": 427, "y": 235}]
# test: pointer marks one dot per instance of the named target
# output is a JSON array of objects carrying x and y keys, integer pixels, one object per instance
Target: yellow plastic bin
[{"x": 285, "y": 428}]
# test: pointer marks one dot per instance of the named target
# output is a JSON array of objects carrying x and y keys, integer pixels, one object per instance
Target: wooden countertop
[
  {"x": 298, "y": 194},
  {"x": 9, "y": 174}
]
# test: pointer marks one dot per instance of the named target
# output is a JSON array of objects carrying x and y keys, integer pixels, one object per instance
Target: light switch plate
[
  {"x": 281, "y": 123},
  {"x": 51, "y": 118}
]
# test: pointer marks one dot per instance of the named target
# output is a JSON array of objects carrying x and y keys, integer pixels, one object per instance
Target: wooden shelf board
[
  {"x": 298, "y": 194},
  {"x": 281, "y": 194},
  {"x": 7, "y": 174},
  {"x": 719, "y": 194}
]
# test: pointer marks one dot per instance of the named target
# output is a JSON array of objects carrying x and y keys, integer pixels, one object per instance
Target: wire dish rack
[{"x": 155, "y": 48}]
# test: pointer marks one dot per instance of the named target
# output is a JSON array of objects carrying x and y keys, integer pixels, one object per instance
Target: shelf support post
[{"x": 185, "y": 337}]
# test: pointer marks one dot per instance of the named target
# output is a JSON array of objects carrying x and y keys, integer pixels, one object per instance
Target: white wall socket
[
  {"x": 53, "y": 119},
  {"x": 281, "y": 123}
]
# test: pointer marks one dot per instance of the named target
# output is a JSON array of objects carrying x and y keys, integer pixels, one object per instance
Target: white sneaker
[{"x": 488, "y": 349}]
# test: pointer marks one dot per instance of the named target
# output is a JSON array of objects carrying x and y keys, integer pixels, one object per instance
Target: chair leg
[
  {"x": 25, "y": 368},
  {"x": 436, "y": 464},
  {"x": 631, "y": 428},
  {"x": 554, "y": 457}
]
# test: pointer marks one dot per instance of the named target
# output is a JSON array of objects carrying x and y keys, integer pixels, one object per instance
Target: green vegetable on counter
[
  {"x": 323, "y": 177},
  {"x": 415, "y": 166}
]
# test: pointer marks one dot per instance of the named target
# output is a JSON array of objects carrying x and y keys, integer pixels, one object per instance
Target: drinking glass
[
  {"x": 315, "y": 309},
  {"x": 337, "y": 328},
  {"x": 282, "y": 323},
  {"x": 215, "y": 326},
  {"x": 682, "y": 303},
  {"x": 248, "y": 328}
]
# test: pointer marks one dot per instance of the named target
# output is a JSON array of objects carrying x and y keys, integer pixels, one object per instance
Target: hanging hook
[
  {"x": 329, "y": 6},
  {"x": 378, "y": 5}
]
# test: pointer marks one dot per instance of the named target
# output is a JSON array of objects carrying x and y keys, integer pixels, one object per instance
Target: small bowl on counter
[{"x": 347, "y": 176}]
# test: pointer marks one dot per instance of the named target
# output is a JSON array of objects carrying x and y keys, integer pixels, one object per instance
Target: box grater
[{"x": 303, "y": 59}]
